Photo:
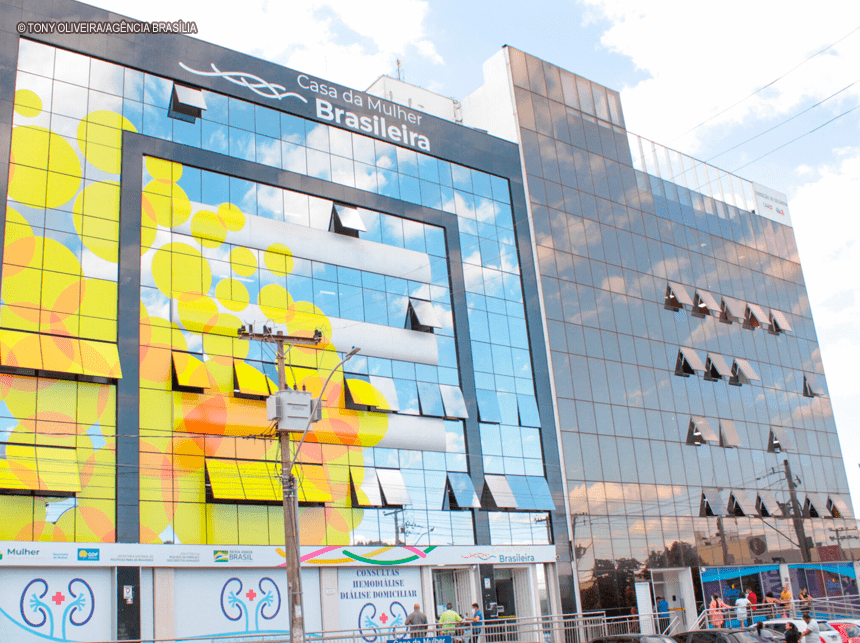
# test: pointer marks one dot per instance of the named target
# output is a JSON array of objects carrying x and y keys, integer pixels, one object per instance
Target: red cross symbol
[
  {"x": 251, "y": 595},
  {"x": 384, "y": 618},
  {"x": 58, "y": 598}
]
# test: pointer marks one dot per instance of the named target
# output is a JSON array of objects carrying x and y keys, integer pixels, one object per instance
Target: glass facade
[
  {"x": 620, "y": 251},
  {"x": 218, "y": 251}
]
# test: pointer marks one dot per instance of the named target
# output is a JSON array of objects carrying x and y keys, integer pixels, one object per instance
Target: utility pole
[
  {"x": 288, "y": 479},
  {"x": 797, "y": 514},
  {"x": 839, "y": 538}
]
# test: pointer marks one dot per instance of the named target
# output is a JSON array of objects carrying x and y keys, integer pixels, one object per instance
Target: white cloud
[
  {"x": 702, "y": 58},
  {"x": 348, "y": 42},
  {"x": 827, "y": 226}
]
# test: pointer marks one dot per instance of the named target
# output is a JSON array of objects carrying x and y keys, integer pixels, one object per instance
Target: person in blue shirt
[
  {"x": 662, "y": 613},
  {"x": 477, "y": 621}
]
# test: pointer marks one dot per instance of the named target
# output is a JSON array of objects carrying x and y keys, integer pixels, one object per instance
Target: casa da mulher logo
[
  {"x": 251, "y": 81},
  {"x": 220, "y": 556}
]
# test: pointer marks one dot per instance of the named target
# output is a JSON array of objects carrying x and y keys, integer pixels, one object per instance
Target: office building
[{"x": 531, "y": 304}]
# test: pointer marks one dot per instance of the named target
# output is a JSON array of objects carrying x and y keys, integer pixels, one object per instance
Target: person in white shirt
[
  {"x": 812, "y": 633},
  {"x": 742, "y": 610}
]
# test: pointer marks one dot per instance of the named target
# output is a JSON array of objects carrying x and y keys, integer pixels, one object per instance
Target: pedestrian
[
  {"x": 753, "y": 599},
  {"x": 771, "y": 604},
  {"x": 662, "y": 613},
  {"x": 417, "y": 623},
  {"x": 742, "y": 611},
  {"x": 477, "y": 621},
  {"x": 791, "y": 633},
  {"x": 448, "y": 620},
  {"x": 715, "y": 611},
  {"x": 812, "y": 633},
  {"x": 785, "y": 600},
  {"x": 805, "y": 601}
]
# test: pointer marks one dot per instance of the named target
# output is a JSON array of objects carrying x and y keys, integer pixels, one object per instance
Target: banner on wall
[
  {"x": 771, "y": 204},
  {"x": 56, "y": 605},
  {"x": 46, "y": 554},
  {"x": 221, "y": 602},
  {"x": 377, "y": 600}
]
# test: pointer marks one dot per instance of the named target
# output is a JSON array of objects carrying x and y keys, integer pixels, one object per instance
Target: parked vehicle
[
  {"x": 828, "y": 634},
  {"x": 848, "y": 628},
  {"x": 633, "y": 638},
  {"x": 716, "y": 635}
]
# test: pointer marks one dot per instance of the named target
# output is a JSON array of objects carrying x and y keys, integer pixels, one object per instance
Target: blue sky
[{"x": 676, "y": 64}]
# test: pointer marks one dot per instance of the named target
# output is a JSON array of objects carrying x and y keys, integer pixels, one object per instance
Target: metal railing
[
  {"x": 542, "y": 629},
  {"x": 820, "y": 608}
]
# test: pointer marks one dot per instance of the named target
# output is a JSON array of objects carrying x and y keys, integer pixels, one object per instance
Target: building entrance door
[
  {"x": 676, "y": 586},
  {"x": 452, "y": 586}
]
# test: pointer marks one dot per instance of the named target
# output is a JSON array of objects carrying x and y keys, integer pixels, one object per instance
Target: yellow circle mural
[
  {"x": 178, "y": 268},
  {"x": 31, "y": 147},
  {"x": 28, "y": 103},
  {"x": 278, "y": 259},
  {"x": 243, "y": 261},
  {"x": 100, "y": 139},
  {"x": 232, "y": 294}
]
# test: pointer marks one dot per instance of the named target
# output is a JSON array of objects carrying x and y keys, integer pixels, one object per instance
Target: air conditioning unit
[{"x": 757, "y": 545}]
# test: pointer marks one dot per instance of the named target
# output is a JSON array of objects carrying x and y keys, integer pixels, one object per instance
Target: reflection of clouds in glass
[
  {"x": 454, "y": 442},
  {"x": 365, "y": 178},
  {"x": 271, "y": 199},
  {"x": 269, "y": 151},
  {"x": 156, "y": 304},
  {"x": 485, "y": 210},
  {"x": 96, "y": 267},
  {"x": 318, "y": 138}
]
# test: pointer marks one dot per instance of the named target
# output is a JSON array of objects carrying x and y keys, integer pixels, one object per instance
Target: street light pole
[{"x": 288, "y": 479}]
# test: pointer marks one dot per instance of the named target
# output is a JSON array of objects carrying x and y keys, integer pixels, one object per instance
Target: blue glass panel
[
  {"x": 216, "y": 108},
  {"x": 407, "y": 162},
  {"x": 215, "y": 138},
  {"x": 410, "y": 189},
  {"x": 481, "y": 184},
  {"x": 462, "y": 178},
  {"x": 407, "y": 395},
  {"x": 268, "y": 122},
  {"x": 389, "y": 185},
  {"x": 215, "y": 188},
  {"x": 187, "y": 133},
  {"x": 241, "y": 114},
  {"x": 431, "y": 195},
  {"x": 132, "y": 88},
  {"x": 293, "y": 129},
  {"x": 508, "y": 411},
  {"x": 501, "y": 190},
  {"x": 540, "y": 493},
  {"x": 430, "y": 399},
  {"x": 244, "y": 194},
  {"x": 488, "y": 406},
  {"x": 522, "y": 492},
  {"x": 464, "y": 490},
  {"x": 156, "y": 123},
  {"x": 157, "y": 91},
  {"x": 435, "y": 241},
  {"x": 242, "y": 144},
  {"x": 529, "y": 415},
  {"x": 133, "y": 111}
]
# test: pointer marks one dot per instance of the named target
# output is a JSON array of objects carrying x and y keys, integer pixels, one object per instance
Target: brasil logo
[{"x": 220, "y": 556}]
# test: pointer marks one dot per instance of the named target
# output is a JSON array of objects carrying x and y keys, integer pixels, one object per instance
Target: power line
[
  {"x": 761, "y": 89},
  {"x": 797, "y": 138},
  {"x": 782, "y": 123}
]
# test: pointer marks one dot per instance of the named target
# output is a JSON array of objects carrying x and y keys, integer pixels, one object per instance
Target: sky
[{"x": 698, "y": 77}]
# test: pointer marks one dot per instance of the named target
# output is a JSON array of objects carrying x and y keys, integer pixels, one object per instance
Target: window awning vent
[
  {"x": 716, "y": 367},
  {"x": 346, "y": 221},
  {"x": 688, "y": 362},
  {"x": 732, "y": 310},
  {"x": 767, "y": 504},
  {"x": 247, "y": 380},
  {"x": 677, "y": 297},
  {"x": 430, "y": 399},
  {"x": 743, "y": 373},
  {"x": 461, "y": 487},
  {"x": 365, "y": 486},
  {"x": 712, "y": 503},
  {"x": 500, "y": 493},
  {"x": 386, "y": 397},
  {"x": 779, "y": 322},
  {"x": 815, "y": 506},
  {"x": 740, "y": 504},
  {"x": 811, "y": 387},
  {"x": 704, "y": 304},
  {"x": 839, "y": 508},
  {"x": 393, "y": 487},
  {"x": 39, "y": 469},
  {"x": 452, "y": 399},
  {"x": 700, "y": 432},
  {"x": 778, "y": 440},
  {"x": 755, "y": 317},
  {"x": 421, "y": 316},
  {"x": 186, "y": 103},
  {"x": 729, "y": 434},
  {"x": 189, "y": 372}
]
